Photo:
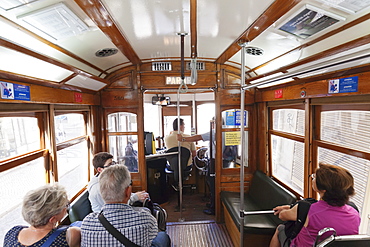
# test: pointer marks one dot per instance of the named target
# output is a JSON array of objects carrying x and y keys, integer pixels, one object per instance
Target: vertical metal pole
[
  {"x": 242, "y": 93},
  {"x": 178, "y": 124}
]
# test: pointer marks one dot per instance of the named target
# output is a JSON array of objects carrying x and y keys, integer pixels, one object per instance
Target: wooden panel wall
[{"x": 49, "y": 95}]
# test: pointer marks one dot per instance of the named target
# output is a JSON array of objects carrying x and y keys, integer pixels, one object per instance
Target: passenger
[
  {"x": 334, "y": 185},
  {"x": 171, "y": 140},
  {"x": 211, "y": 169},
  {"x": 101, "y": 161},
  {"x": 136, "y": 224},
  {"x": 43, "y": 208}
]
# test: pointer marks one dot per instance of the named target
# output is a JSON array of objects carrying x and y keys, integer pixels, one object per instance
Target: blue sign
[
  {"x": 15, "y": 91},
  {"x": 233, "y": 118},
  {"x": 344, "y": 85}
]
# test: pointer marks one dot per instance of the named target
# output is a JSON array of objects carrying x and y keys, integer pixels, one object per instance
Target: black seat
[
  {"x": 360, "y": 240},
  {"x": 172, "y": 169},
  {"x": 173, "y": 164},
  {"x": 80, "y": 207}
]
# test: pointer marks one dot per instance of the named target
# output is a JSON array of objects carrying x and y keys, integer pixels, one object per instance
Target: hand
[
  {"x": 179, "y": 137},
  {"x": 142, "y": 195},
  {"x": 278, "y": 209}
]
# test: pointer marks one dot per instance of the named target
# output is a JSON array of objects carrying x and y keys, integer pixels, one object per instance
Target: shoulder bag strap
[
  {"x": 55, "y": 234},
  {"x": 115, "y": 233}
]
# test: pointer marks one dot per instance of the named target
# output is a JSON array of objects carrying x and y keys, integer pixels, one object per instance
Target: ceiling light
[
  {"x": 57, "y": 21},
  {"x": 12, "y": 4}
]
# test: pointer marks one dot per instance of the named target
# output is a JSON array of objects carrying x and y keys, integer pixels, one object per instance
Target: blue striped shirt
[{"x": 137, "y": 224}]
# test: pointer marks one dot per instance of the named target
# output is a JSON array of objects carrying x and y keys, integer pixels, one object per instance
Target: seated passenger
[
  {"x": 136, "y": 224},
  {"x": 43, "y": 208},
  {"x": 171, "y": 140},
  {"x": 334, "y": 185},
  {"x": 101, "y": 161}
]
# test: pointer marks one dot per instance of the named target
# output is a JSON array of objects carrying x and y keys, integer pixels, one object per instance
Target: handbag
[
  {"x": 55, "y": 234},
  {"x": 115, "y": 233}
]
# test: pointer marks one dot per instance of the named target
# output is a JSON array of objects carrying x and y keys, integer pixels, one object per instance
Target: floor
[
  {"x": 193, "y": 205},
  {"x": 192, "y": 227}
]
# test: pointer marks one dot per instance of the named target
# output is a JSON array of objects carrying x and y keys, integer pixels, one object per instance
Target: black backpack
[
  {"x": 292, "y": 228},
  {"x": 158, "y": 212}
]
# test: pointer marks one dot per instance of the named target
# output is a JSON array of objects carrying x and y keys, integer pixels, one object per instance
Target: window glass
[
  {"x": 359, "y": 168},
  {"x": 347, "y": 128},
  {"x": 69, "y": 126},
  {"x": 288, "y": 120},
  {"x": 288, "y": 162},
  {"x": 124, "y": 150},
  {"x": 231, "y": 154},
  {"x": 18, "y": 135},
  {"x": 205, "y": 113},
  {"x": 122, "y": 122},
  {"x": 73, "y": 167},
  {"x": 15, "y": 183}
]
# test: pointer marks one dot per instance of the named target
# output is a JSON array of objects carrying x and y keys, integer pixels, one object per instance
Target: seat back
[
  {"x": 173, "y": 161},
  {"x": 360, "y": 240},
  {"x": 80, "y": 207}
]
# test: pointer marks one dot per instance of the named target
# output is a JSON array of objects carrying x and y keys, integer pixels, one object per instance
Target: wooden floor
[{"x": 193, "y": 205}]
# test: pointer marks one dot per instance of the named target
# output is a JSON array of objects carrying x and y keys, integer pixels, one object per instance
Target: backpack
[
  {"x": 158, "y": 212},
  {"x": 292, "y": 228}
]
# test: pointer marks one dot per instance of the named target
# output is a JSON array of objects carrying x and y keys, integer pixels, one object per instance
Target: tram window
[
  {"x": 287, "y": 160},
  {"x": 122, "y": 122},
  {"x": 289, "y": 120},
  {"x": 69, "y": 126},
  {"x": 15, "y": 183},
  {"x": 347, "y": 144},
  {"x": 205, "y": 112},
  {"x": 346, "y": 128},
  {"x": 231, "y": 154},
  {"x": 124, "y": 150},
  {"x": 18, "y": 135},
  {"x": 73, "y": 167},
  {"x": 122, "y": 141}
]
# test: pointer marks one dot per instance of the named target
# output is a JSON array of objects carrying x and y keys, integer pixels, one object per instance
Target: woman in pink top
[{"x": 334, "y": 185}]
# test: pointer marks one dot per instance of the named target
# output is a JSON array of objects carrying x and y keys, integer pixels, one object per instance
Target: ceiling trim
[
  {"x": 54, "y": 46},
  {"x": 6, "y": 75},
  {"x": 98, "y": 13},
  {"x": 10, "y": 45},
  {"x": 274, "y": 12},
  {"x": 330, "y": 52},
  {"x": 320, "y": 38}
]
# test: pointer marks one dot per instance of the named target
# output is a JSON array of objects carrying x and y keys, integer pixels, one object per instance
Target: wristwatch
[{"x": 183, "y": 139}]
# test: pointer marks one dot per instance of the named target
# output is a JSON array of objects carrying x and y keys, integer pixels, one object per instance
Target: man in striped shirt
[{"x": 137, "y": 224}]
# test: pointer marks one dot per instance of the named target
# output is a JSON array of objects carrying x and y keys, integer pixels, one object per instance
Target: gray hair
[
  {"x": 41, "y": 204},
  {"x": 113, "y": 182}
]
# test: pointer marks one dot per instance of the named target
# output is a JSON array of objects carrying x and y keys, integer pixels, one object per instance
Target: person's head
[
  {"x": 335, "y": 182},
  {"x": 115, "y": 184},
  {"x": 102, "y": 160},
  {"x": 175, "y": 124},
  {"x": 45, "y": 204}
]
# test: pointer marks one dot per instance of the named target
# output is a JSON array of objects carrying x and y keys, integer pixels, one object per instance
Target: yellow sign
[{"x": 232, "y": 138}]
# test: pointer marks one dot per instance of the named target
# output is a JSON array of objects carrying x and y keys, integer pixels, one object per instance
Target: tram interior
[{"x": 80, "y": 77}]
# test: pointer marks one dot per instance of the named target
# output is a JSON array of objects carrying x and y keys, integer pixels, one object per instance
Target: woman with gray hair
[{"x": 43, "y": 208}]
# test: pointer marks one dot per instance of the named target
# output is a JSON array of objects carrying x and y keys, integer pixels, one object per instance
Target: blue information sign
[
  {"x": 15, "y": 91},
  {"x": 344, "y": 85}
]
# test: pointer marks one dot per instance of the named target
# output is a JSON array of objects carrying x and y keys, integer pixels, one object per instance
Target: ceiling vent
[
  {"x": 254, "y": 51},
  {"x": 161, "y": 66},
  {"x": 106, "y": 52},
  {"x": 200, "y": 66},
  {"x": 57, "y": 21}
]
